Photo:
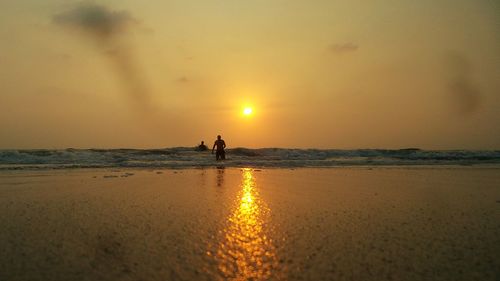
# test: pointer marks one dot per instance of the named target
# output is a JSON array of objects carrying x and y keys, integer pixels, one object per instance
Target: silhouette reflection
[
  {"x": 246, "y": 253},
  {"x": 220, "y": 176}
]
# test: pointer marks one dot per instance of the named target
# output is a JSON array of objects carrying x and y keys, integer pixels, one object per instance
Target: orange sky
[{"x": 325, "y": 74}]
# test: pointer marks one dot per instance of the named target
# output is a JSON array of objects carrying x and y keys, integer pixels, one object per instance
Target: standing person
[{"x": 220, "y": 153}]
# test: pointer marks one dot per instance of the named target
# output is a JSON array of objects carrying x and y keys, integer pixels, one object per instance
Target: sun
[{"x": 247, "y": 111}]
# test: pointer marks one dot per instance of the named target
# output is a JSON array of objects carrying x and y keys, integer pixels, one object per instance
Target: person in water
[
  {"x": 202, "y": 146},
  {"x": 220, "y": 154}
]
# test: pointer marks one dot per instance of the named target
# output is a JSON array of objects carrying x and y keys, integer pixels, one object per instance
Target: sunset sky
[{"x": 323, "y": 73}]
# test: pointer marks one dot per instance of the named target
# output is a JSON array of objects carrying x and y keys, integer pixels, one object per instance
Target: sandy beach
[{"x": 383, "y": 223}]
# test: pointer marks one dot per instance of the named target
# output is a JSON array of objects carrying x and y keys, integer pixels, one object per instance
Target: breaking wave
[{"x": 184, "y": 157}]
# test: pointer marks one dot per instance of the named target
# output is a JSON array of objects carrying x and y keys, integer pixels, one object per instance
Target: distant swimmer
[
  {"x": 202, "y": 147},
  {"x": 220, "y": 154}
]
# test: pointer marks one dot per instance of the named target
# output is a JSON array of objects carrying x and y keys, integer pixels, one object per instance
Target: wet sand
[{"x": 248, "y": 224}]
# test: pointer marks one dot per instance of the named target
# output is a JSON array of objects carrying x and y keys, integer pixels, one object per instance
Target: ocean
[{"x": 187, "y": 157}]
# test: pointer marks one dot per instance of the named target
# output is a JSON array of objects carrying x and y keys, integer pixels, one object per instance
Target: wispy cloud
[
  {"x": 465, "y": 94},
  {"x": 183, "y": 79},
  {"x": 343, "y": 48},
  {"x": 96, "y": 20},
  {"x": 109, "y": 29}
]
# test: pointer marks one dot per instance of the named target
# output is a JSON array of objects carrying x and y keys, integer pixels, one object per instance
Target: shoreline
[{"x": 215, "y": 166}]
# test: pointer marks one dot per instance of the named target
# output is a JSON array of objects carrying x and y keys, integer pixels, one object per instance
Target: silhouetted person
[
  {"x": 220, "y": 154},
  {"x": 202, "y": 146}
]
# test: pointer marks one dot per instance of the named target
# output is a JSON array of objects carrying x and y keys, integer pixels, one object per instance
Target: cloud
[
  {"x": 183, "y": 79},
  {"x": 109, "y": 29},
  {"x": 464, "y": 93},
  {"x": 96, "y": 20},
  {"x": 343, "y": 48}
]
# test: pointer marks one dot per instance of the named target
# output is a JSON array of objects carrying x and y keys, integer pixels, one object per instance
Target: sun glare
[{"x": 247, "y": 111}]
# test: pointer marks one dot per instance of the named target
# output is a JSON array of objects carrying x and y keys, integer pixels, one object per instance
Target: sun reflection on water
[{"x": 246, "y": 253}]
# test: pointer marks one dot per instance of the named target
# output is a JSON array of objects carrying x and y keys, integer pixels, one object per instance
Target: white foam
[{"x": 182, "y": 157}]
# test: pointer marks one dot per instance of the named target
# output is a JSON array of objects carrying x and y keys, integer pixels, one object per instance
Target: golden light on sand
[
  {"x": 247, "y": 111},
  {"x": 246, "y": 252}
]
